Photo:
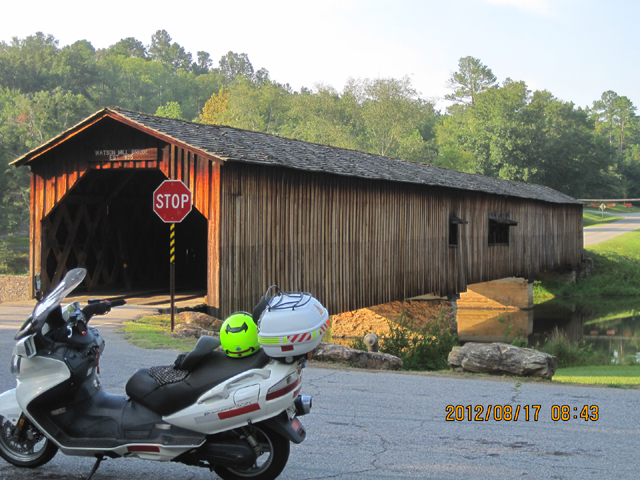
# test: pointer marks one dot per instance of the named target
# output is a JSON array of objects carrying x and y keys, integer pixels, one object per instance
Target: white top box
[{"x": 292, "y": 324}]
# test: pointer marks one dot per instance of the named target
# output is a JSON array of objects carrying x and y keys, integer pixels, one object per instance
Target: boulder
[
  {"x": 330, "y": 352},
  {"x": 502, "y": 359}
]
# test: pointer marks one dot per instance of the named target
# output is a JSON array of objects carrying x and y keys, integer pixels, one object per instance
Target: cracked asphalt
[{"x": 382, "y": 425}]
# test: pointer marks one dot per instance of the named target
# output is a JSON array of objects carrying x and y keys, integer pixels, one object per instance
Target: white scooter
[{"x": 235, "y": 416}]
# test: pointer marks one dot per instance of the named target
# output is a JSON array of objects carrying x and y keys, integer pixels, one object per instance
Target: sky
[{"x": 576, "y": 49}]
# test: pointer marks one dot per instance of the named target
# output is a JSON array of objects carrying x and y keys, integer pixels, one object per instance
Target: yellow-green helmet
[{"x": 239, "y": 335}]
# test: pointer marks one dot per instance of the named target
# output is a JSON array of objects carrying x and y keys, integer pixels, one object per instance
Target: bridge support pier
[{"x": 496, "y": 311}]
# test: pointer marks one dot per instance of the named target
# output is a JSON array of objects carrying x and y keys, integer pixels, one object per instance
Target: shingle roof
[{"x": 236, "y": 145}]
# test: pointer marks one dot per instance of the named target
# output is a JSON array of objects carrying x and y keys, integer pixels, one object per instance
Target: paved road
[
  {"x": 600, "y": 233},
  {"x": 376, "y": 425}
]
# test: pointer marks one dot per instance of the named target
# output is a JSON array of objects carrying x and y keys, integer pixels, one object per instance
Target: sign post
[{"x": 172, "y": 203}]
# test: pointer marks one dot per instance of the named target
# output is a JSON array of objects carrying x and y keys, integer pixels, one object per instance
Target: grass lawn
[
  {"x": 17, "y": 240},
  {"x": 155, "y": 332},
  {"x": 627, "y": 245},
  {"x": 617, "y": 267},
  {"x": 614, "y": 376},
  {"x": 591, "y": 219}
]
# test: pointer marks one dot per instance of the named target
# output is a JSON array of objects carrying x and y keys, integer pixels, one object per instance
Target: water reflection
[
  {"x": 492, "y": 325},
  {"x": 611, "y": 324}
]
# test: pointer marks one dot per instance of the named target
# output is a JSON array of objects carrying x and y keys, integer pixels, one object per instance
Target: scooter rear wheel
[
  {"x": 31, "y": 450},
  {"x": 273, "y": 456}
]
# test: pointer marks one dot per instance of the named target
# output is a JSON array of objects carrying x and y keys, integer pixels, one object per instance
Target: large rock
[
  {"x": 502, "y": 359},
  {"x": 330, "y": 352}
]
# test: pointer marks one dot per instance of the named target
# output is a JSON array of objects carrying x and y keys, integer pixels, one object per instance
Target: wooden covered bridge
[{"x": 354, "y": 229}]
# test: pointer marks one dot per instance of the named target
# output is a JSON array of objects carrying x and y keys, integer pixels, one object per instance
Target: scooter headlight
[{"x": 26, "y": 347}]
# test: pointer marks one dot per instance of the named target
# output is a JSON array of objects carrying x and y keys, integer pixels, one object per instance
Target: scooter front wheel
[
  {"x": 273, "y": 453},
  {"x": 30, "y": 449}
]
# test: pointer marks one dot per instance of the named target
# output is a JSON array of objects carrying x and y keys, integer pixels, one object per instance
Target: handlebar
[{"x": 101, "y": 307}]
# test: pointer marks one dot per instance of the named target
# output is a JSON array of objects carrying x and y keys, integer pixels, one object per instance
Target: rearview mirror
[{"x": 37, "y": 282}]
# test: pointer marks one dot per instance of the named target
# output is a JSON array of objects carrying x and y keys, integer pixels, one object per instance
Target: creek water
[{"x": 609, "y": 324}]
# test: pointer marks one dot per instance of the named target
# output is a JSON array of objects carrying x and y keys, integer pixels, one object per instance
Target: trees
[
  {"x": 233, "y": 65},
  {"x": 492, "y": 131},
  {"x": 615, "y": 118},
  {"x": 76, "y": 67},
  {"x": 617, "y": 124},
  {"x": 14, "y": 202},
  {"x": 472, "y": 78},
  {"x": 171, "y": 55},
  {"x": 324, "y": 116},
  {"x": 170, "y": 110},
  {"x": 203, "y": 64},
  {"x": 389, "y": 112},
  {"x": 128, "y": 47},
  {"x": 629, "y": 171},
  {"x": 515, "y": 134},
  {"x": 382, "y": 116},
  {"x": 262, "y": 108},
  {"x": 27, "y": 64},
  {"x": 26, "y": 121},
  {"x": 215, "y": 106},
  {"x": 572, "y": 157}
]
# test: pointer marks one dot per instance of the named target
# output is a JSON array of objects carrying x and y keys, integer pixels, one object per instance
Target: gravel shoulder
[{"x": 14, "y": 288}]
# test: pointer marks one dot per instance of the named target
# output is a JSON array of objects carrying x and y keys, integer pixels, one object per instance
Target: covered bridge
[{"x": 354, "y": 229}]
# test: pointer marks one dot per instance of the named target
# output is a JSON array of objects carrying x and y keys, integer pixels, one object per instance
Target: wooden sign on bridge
[{"x": 126, "y": 155}]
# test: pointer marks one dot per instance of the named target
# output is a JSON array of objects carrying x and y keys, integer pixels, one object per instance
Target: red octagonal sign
[{"x": 172, "y": 201}]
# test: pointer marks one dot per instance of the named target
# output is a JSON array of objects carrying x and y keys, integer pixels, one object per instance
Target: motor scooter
[{"x": 234, "y": 416}]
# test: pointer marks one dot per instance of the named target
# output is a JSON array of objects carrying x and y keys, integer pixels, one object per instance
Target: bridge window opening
[
  {"x": 454, "y": 234},
  {"x": 499, "y": 230}
]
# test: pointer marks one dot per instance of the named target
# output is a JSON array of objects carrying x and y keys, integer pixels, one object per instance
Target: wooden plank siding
[
  {"x": 355, "y": 243},
  {"x": 195, "y": 171}
]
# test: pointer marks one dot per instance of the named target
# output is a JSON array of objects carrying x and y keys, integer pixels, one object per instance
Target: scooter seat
[
  {"x": 204, "y": 346},
  {"x": 210, "y": 371}
]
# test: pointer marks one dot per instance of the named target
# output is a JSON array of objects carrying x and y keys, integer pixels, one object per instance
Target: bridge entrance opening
[{"x": 106, "y": 224}]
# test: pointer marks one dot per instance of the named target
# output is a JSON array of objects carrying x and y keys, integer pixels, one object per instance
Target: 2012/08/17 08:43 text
[{"x": 508, "y": 413}]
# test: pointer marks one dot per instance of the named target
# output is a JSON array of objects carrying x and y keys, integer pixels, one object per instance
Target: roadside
[
  {"x": 14, "y": 288},
  {"x": 590, "y": 219},
  {"x": 603, "y": 232},
  {"x": 13, "y": 314}
]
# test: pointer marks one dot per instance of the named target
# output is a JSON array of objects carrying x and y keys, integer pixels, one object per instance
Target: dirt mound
[
  {"x": 376, "y": 319},
  {"x": 14, "y": 288}
]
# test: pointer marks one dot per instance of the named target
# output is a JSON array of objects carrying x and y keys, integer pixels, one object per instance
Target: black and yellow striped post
[
  {"x": 172, "y": 202},
  {"x": 172, "y": 272}
]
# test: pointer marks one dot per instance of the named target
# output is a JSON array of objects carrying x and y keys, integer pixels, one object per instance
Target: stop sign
[{"x": 172, "y": 201}]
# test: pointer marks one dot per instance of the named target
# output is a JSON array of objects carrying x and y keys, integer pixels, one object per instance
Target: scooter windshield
[{"x": 71, "y": 281}]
